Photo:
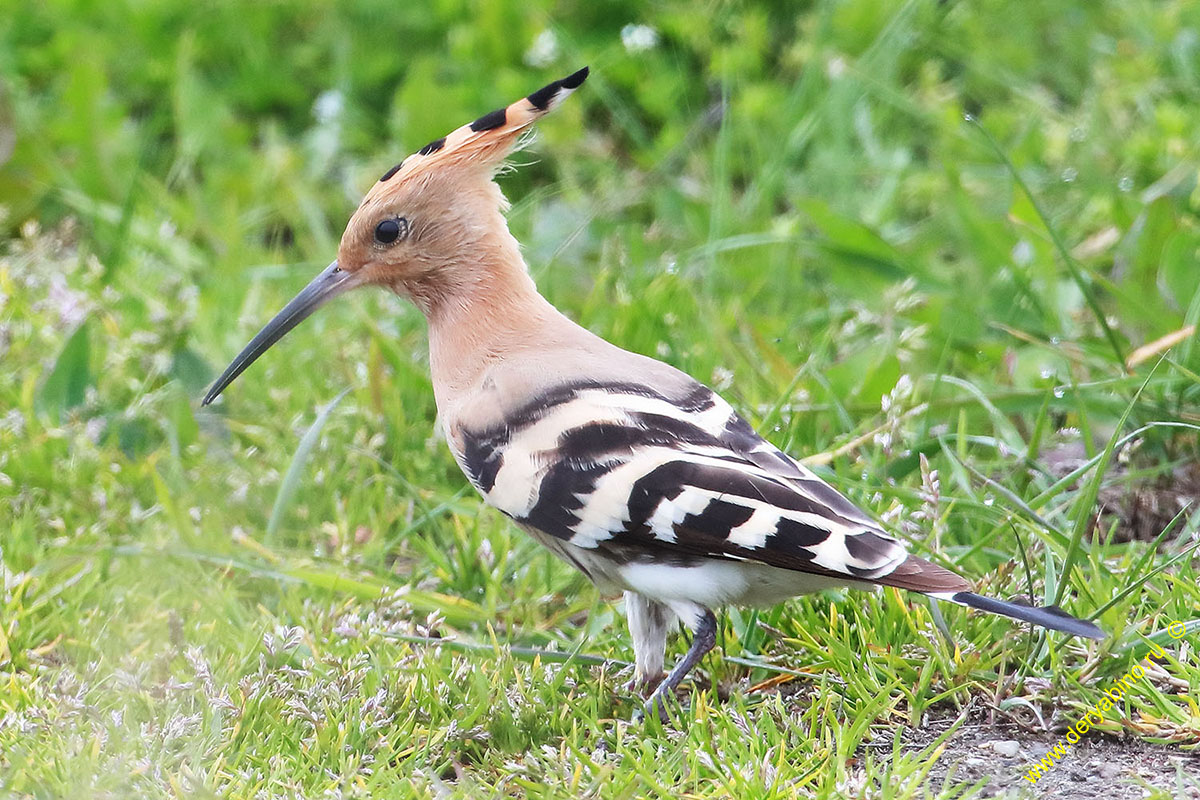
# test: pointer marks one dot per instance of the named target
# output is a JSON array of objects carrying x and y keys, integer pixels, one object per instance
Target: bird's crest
[{"x": 484, "y": 143}]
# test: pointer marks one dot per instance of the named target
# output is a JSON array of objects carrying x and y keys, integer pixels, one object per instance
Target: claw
[
  {"x": 656, "y": 703},
  {"x": 645, "y": 684}
]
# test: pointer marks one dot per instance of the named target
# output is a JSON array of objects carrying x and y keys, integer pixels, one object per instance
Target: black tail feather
[{"x": 1051, "y": 617}]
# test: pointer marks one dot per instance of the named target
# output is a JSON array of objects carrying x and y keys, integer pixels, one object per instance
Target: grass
[{"x": 919, "y": 243}]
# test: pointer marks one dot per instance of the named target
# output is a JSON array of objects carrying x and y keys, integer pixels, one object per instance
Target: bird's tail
[
  {"x": 1051, "y": 617},
  {"x": 918, "y": 575}
]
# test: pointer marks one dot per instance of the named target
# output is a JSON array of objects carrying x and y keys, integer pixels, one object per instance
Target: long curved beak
[{"x": 328, "y": 284}]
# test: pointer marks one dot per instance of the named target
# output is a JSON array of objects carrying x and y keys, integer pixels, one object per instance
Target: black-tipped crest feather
[
  {"x": 490, "y": 120},
  {"x": 391, "y": 172},
  {"x": 432, "y": 147},
  {"x": 542, "y": 98}
]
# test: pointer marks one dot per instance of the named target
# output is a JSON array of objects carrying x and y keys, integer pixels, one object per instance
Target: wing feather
[{"x": 624, "y": 469}]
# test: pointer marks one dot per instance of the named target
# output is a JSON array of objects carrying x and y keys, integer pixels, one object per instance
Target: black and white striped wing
[{"x": 625, "y": 469}]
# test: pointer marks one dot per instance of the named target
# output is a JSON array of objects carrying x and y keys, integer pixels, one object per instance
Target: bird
[{"x": 639, "y": 476}]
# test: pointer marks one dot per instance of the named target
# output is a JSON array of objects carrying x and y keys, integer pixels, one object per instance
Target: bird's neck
[{"x": 490, "y": 310}]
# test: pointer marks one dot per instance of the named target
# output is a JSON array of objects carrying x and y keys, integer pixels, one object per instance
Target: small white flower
[
  {"x": 71, "y": 305},
  {"x": 543, "y": 51},
  {"x": 1022, "y": 253},
  {"x": 722, "y": 378},
  {"x": 346, "y": 631},
  {"x": 638, "y": 38},
  {"x": 94, "y": 428},
  {"x": 328, "y": 106}
]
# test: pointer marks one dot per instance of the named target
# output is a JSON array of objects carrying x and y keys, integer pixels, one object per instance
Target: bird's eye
[{"x": 391, "y": 231}]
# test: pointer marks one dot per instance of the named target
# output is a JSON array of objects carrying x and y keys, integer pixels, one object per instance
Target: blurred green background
[{"x": 920, "y": 240}]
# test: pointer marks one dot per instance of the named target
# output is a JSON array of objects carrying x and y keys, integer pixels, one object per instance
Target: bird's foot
[
  {"x": 644, "y": 685},
  {"x": 703, "y": 641},
  {"x": 648, "y": 687},
  {"x": 655, "y": 704}
]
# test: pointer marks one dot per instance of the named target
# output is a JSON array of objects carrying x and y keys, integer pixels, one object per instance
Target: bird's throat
[{"x": 490, "y": 312}]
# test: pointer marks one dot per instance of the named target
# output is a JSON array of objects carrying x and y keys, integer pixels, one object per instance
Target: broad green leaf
[{"x": 65, "y": 385}]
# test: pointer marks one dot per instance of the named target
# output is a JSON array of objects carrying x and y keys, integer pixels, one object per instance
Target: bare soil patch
[{"x": 1097, "y": 767}]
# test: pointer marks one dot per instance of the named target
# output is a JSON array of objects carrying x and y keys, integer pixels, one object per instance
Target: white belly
[
  {"x": 711, "y": 584},
  {"x": 716, "y": 583}
]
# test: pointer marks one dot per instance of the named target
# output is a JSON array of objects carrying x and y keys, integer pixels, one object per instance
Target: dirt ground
[{"x": 1097, "y": 768}]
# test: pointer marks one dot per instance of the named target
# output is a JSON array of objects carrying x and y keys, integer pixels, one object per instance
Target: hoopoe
[{"x": 642, "y": 478}]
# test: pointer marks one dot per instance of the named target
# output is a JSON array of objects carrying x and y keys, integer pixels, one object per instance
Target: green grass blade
[
  {"x": 1087, "y": 498},
  {"x": 291, "y": 479},
  {"x": 1076, "y": 271}
]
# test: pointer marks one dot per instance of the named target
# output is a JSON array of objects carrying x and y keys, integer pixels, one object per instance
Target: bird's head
[{"x": 421, "y": 229}]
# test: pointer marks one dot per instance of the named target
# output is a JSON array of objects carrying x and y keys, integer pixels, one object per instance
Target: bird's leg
[
  {"x": 703, "y": 639},
  {"x": 649, "y": 624}
]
